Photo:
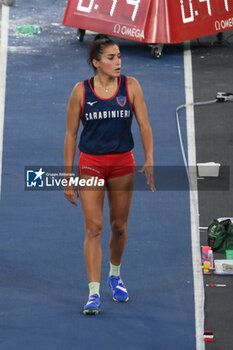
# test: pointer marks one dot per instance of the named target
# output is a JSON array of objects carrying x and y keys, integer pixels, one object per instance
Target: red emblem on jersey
[{"x": 121, "y": 100}]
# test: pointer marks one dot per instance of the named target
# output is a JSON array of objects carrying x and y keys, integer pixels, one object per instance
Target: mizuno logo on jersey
[
  {"x": 92, "y": 103},
  {"x": 108, "y": 114}
]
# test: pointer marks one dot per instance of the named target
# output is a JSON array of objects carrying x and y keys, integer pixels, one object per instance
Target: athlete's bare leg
[
  {"x": 92, "y": 200},
  {"x": 120, "y": 192}
]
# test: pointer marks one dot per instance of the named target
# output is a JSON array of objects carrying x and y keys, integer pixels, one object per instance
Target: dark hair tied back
[
  {"x": 97, "y": 47},
  {"x": 101, "y": 37}
]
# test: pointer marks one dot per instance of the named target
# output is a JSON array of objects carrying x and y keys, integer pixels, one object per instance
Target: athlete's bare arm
[
  {"x": 74, "y": 111},
  {"x": 140, "y": 110}
]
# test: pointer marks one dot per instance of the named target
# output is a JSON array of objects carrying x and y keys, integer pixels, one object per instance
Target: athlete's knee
[
  {"x": 94, "y": 230},
  {"x": 119, "y": 228}
]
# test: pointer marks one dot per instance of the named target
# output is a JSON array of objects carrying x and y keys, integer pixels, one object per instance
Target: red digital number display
[
  {"x": 151, "y": 21},
  {"x": 198, "y": 18},
  {"x": 125, "y": 18}
]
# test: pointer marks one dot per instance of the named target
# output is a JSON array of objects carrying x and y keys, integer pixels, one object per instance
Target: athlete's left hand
[
  {"x": 70, "y": 193},
  {"x": 149, "y": 172}
]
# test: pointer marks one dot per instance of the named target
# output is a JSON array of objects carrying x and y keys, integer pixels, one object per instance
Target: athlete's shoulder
[
  {"x": 78, "y": 90},
  {"x": 76, "y": 97},
  {"x": 78, "y": 87},
  {"x": 133, "y": 85},
  {"x": 132, "y": 82}
]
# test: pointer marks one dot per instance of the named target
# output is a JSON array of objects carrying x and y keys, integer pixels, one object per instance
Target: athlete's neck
[{"x": 105, "y": 82}]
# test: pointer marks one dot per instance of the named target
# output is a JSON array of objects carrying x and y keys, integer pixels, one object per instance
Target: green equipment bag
[
  {"x": 230, "y": 236},
  {"x": 220, "y": 235}
]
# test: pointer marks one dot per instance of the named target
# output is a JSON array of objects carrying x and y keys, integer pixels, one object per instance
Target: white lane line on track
[
  {"x": 199, "y": 298},
  {"x": 3, "y": 65}
]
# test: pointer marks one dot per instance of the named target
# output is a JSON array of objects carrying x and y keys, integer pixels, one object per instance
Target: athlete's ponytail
[{"x": 97, "y": 47}]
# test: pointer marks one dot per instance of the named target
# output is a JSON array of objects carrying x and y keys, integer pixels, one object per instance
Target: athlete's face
[{"x": 110, "y": 61}]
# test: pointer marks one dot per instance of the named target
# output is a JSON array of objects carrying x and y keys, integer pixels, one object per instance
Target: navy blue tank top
[{"x": 106, "y": 122}]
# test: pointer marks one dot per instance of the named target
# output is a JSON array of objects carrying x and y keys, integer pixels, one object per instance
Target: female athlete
[{"x": 105, "y": 105}]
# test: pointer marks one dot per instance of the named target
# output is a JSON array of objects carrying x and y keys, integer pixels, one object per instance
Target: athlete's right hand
[{"x": 70, "y": 192}]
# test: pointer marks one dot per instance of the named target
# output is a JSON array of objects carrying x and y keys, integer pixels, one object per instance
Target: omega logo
[{"x": 124, "y": 30}]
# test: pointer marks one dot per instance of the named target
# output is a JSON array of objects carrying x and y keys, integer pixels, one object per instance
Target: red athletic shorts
[{"x": 106, "y": 166}]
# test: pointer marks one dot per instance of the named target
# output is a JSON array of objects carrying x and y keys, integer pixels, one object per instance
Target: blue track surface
[{"x": 44, "y": 285}]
